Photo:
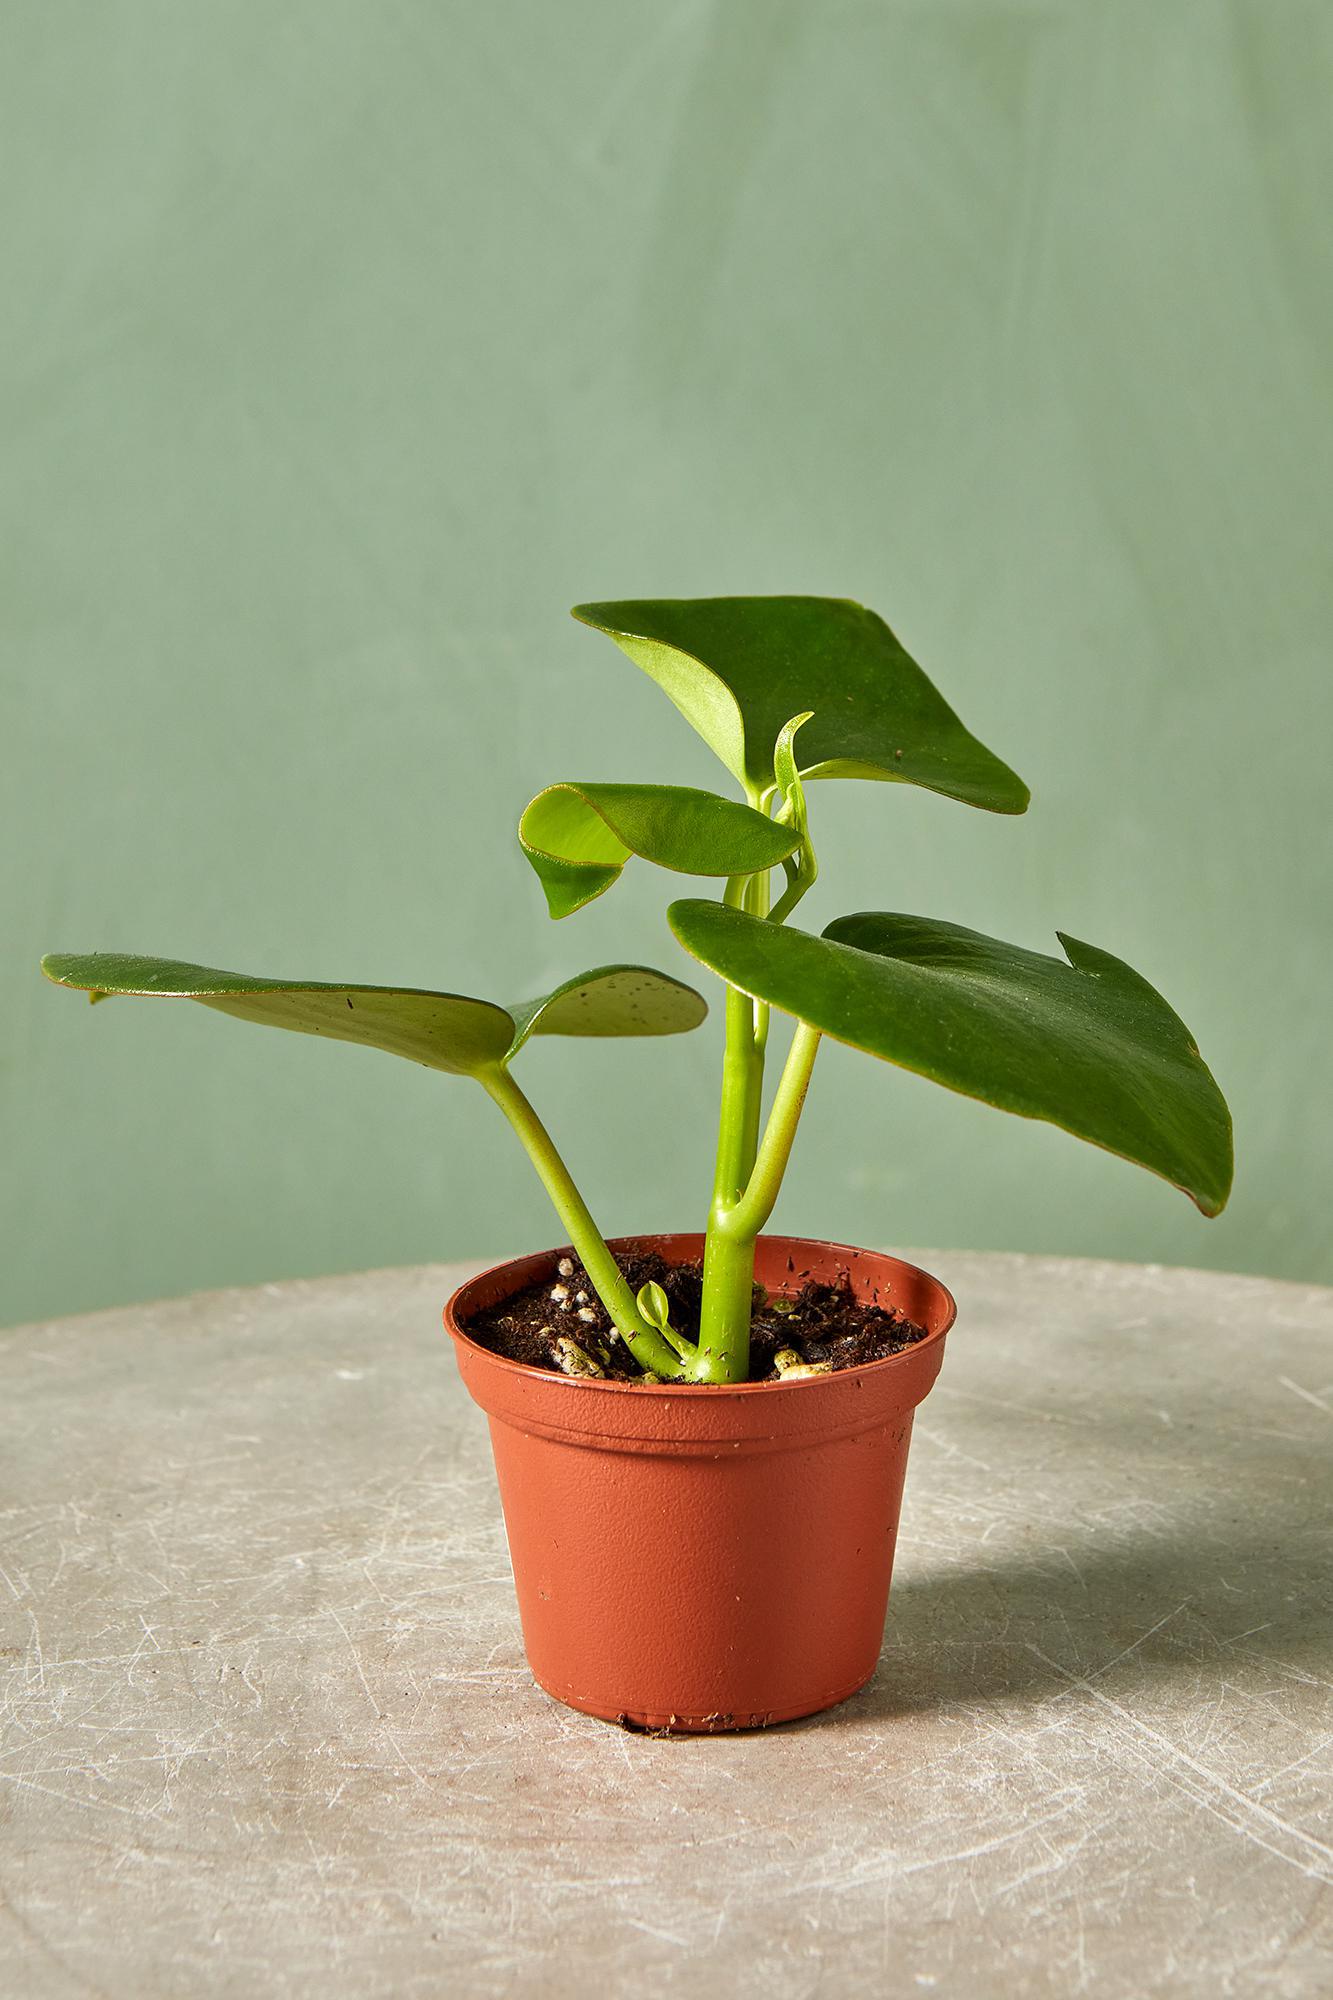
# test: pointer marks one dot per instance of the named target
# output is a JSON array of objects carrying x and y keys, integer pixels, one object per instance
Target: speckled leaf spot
[
  {"x": 446, "y": 1031},
  {"x": 612, "y": 1000}
]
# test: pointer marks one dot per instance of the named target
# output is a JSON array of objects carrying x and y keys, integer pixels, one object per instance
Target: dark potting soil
[{"x": 818, "y": 1322}]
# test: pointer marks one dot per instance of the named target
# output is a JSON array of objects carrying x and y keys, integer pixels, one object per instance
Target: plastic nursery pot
[{"x": 705, "y": 1558}]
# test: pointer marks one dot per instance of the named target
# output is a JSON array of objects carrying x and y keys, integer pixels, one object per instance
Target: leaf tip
[{"x": 1210, "y": 1206}]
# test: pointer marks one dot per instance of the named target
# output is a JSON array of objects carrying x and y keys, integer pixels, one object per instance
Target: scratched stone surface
[{"x": 267, "y": 1728}]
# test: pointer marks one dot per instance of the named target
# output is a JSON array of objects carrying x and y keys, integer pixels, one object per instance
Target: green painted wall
[{"x": 346, "y": 345}]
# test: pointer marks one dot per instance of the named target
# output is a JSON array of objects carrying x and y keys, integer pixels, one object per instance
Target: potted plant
[{"x": 701, "y": 1439}]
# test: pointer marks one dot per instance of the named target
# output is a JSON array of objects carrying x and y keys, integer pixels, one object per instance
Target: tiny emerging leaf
[
  {"x": 653, "y": 1303},
  {"x": 786, "y": 775},
  {"x": 802, "y": 869},
  {"x": 655, "y": 1306}
]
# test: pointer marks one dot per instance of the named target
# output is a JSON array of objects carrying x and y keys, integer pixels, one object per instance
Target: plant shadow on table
[{"x": 1240, "y": 1575}]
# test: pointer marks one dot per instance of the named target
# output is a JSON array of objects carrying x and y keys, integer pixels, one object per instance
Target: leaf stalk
[{"x": 647, "y": 1346}]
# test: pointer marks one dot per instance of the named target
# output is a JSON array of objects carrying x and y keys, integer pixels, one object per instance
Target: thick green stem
[
  {"x": 742, "y": 1097},
  {"x": 748, "y": 1176},
  {"x": 733, "y": 1226},
  {"x": 724, "y": 1318},
  {"x": 647, "y": 1347},
  {"x": 742, "y": 1084},
  {"x": 757, "y": 1203},
  {"x": 743, "y": 1061},
  {"x": 756, "y": 902},
  {"x": 723, "y": 1354}
]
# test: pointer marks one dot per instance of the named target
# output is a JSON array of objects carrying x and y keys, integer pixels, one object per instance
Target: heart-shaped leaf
[
  {"x": 578, "y": 837},
  {"x": 738, "y": 667},
  {"x": 445, "y": 1031},
  {"x": 1088, "y": 1045}
]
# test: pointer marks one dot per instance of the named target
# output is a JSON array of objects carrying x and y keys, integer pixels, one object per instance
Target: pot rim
[{"x": 609, "y": 1385}]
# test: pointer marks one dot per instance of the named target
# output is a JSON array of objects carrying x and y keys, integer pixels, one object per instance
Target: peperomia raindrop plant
[{"x": 785, "y": 691}]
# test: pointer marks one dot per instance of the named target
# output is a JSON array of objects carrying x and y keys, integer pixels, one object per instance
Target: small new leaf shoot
[
  {"x": 802, "y": 868},
  {"x": 655, "y": 1307},
  {"x": 786, "y": 775}
]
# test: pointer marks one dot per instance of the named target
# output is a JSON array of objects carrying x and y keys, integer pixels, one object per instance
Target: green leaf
[
  {"x": 1088, "y": 1045},
  {"x": 445, "y": 1031},
  {"x": 612, "y": 1000},
  {"x": 578, "y": 837},
  {"x": 738, "y": 667}
]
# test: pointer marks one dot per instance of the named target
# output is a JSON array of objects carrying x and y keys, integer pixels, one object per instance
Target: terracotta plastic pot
[{"x": 691, "y": 1558}]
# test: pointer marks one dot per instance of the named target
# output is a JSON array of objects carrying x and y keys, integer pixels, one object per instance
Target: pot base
[{"x": 642, "y": 1723}]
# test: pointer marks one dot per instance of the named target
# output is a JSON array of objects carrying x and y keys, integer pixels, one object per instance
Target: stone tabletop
[{"x": 266, "y": 1730}]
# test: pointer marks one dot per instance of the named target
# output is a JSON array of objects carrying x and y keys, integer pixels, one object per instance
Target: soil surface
[{"x": 817, "y": 1324}]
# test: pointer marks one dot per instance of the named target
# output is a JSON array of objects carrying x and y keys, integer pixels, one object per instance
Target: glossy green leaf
[
  {"x": 445, "y": 1031},
  {"x": 578, "y": 837},
  {"x": 1088, "y": 1045},
  {"x": 738, "y": 667}
]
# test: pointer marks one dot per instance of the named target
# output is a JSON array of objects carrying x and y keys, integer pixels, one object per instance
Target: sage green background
[{"x": 346, "y": 345}]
